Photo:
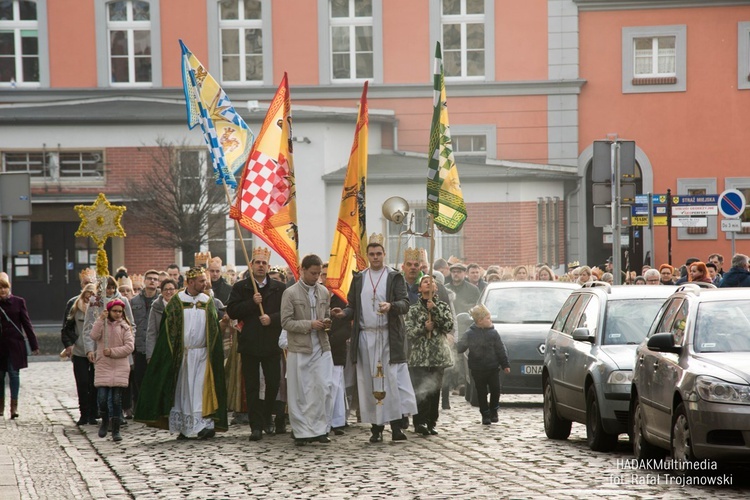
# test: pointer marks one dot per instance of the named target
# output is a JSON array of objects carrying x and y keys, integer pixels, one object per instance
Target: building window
[
  {"x": 56, "y": 165},
  {"x": 241, "y": 35},
  {"x": 741, "y": 184},
  {"x": 19, "y": 43},
  {"x": 446, "y": 245},
  {"x": 351, "y": 40},
  {"x": 654, "y": 59},
  {"x": 743, "y": 55},
  {"x": 128, "y": 43},
  {"x": 549, "y": 229},
  {"x": 478, "y": 142},
  {"x": 697, "y": 187},
  {"x": 463, "y": 35}
]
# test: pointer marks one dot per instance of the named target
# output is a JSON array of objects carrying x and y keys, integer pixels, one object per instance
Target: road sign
[
  {"x": 691, "y": 210},
  {"x": 731, "y": 203},
  {"x": 601, "y": 193},
  {"x": 642, "y": 220},
  {"x": 689, "y": 222},
  {"x": 656, "y": 199},
  {"x": 624, "y": 239},
  {"x": 731, "y": 225},
  {"x": 603, "y": 215}
]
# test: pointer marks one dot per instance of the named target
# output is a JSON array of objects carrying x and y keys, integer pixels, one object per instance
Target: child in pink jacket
[{"x": 114, "y": 343}]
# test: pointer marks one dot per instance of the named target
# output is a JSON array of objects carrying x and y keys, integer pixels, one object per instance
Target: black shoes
[
  {"x": 206, "y": 433},
  {"x": 323, "y": 439},
  {"x": 103, "y": 427},
  {"x": 182, "y": 437},
  {"x": 300, "y": 442},
  {"x": 432, "y": 430},
  {"x": 422, "y": 429},
  {"x": 493, "y": 415},
  {"x": 486, "y": 418},
  {"x": 270, "y": 430},
  {"x": 256, "y": 435},
  {"x": 377, "y": 437},
  {"x": 82, "y": 421},
  {"x": 115, "y": 424},
  {"x": 397, "y": 435},
  {"x": 93, "y": 421},
  {"x": 339, "y": 431}
]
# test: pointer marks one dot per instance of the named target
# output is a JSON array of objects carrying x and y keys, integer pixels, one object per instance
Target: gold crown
[
  {"x": 376, "y": 238},
  {"x": 194, "y": 272},
  {"x": 574, "y": 264},
  {"x": 125, "y": 281},
  {"x": 88, "y": 275},
  {"x": 412, "y": 254},
  {"x": 261, "y": 253},
  {"x": 136, "y": 280},
  {"x": 202, "y": 259}
]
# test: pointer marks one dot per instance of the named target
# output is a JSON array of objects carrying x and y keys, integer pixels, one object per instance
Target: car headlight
[
  {"x": 620, "y": 377},
  {"x": 717, "y": 391}
]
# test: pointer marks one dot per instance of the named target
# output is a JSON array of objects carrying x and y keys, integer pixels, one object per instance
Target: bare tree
[{"x": 176, "y": 196}]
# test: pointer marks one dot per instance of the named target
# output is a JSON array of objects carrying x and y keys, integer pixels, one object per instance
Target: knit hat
[{"x": 113, "y": 303}]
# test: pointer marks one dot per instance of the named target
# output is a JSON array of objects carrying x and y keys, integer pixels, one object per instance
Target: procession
[{"x": 355, "y": 248}]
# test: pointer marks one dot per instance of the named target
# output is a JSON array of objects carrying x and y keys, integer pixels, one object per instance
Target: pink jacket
[{"x": 114, "y": 370}]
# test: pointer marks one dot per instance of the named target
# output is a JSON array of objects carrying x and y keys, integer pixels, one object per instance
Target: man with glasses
[
  {"x": 652, "y": 277},
  {"x": 141, "y": 305},
  {"x": 221, "y": 288},
  {"x": 167, "y": 290}
]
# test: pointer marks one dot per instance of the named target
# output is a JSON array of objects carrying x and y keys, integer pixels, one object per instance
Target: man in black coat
[
  {"x": 738, "y": 275},
  {"x": 258, "y": 342},
  {"x": 221, "y": 288}
]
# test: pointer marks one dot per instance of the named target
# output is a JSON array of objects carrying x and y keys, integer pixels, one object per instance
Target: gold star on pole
[{"x": 100, "y": 221}]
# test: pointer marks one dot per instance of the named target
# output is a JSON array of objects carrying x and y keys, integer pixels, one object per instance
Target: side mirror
[
  {"x": 582, "y": 334},
  {"x": 663, "y": 342}
]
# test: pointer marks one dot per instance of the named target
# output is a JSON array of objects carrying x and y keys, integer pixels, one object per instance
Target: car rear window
[
  {"x": 722, "y": 326},
  {"x": 628, "y": 321},
  {"x": 525, "y": 305}
]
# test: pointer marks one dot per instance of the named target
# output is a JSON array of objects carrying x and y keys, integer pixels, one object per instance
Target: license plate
[{"x": 531, "y": 369}]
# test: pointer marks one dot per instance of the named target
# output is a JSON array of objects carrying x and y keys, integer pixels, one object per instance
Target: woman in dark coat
[{"x": 12, "y": 346}]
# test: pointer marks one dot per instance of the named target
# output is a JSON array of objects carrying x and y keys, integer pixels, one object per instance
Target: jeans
[
  {"x": 259, "y": 412},
  {"x": 14, "y": 379},
  {"x": 484, "y": 379},
  {"x": 110, "y": 401}
]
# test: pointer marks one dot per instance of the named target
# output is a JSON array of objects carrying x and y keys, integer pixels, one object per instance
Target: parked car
[
  {"x": 691, "y": 383},
  {"x": 522, "y": 312},
  {"x": 588, "y": 360}
]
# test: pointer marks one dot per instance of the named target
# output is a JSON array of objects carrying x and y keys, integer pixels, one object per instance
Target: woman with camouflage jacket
[{"x": 429, "y": 324}]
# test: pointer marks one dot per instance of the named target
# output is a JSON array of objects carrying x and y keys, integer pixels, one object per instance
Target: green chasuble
[{"x": 156, "y": 398}]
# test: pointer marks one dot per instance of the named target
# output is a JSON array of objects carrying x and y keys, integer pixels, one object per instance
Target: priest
[{"x": 183, "y": 389}]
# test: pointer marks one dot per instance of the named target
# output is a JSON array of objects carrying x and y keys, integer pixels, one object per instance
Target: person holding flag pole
[{"x": 266, "y": 205}]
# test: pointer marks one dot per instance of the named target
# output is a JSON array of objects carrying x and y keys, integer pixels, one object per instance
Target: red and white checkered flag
[{"x": 266, "y": 187}]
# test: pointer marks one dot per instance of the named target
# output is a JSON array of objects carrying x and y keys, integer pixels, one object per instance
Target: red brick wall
[{"x": 504, "y": 233}]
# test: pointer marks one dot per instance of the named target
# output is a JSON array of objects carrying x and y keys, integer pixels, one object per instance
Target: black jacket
[
  {"x": 256, "y": 339},
  {"x": 735, "y": 277},
  {"x": 395, "y": 291},
  {"x": 486, "y": 348},
  {"x": 221, "y": 289},
  {"x": 341, "y": 331}
]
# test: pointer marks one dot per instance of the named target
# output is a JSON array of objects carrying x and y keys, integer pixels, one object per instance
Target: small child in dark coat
[{"x": 487, "y": 354}]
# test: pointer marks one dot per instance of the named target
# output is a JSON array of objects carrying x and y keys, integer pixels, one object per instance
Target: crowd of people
[{"x": 182, "y": 351}]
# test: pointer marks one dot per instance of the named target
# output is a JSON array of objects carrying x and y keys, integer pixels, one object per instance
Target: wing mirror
[
  {"x": 582, "y": 334},
  {"x": 663, "y": 342}
]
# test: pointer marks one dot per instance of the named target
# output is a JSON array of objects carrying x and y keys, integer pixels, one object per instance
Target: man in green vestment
[{"x": 173, "y": 395}]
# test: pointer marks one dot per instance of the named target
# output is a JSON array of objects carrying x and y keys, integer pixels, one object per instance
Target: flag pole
[{"x": 242, "y": 243}]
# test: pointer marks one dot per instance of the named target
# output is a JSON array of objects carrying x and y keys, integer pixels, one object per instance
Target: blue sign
[
  {"x": 656, "y": 199},
  {"x": 731, "y": 203},
  {"x": 695, "y": 199},
  {"x": 643, "y": 210}
]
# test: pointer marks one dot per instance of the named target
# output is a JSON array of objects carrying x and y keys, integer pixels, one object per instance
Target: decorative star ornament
[{"x": 100, "y": 220}]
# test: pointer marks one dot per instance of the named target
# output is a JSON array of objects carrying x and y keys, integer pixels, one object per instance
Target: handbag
[{"x": 25, "y": 338}]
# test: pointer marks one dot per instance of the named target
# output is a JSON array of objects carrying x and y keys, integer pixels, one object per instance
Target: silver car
[
  {"x": 522, "y": 312},
  {"x": 588, "y": 360},
  {"x": 691, "y": 384}
]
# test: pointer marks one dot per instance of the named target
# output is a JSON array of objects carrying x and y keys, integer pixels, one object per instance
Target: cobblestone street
[{"x": 44, "y": 455}]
